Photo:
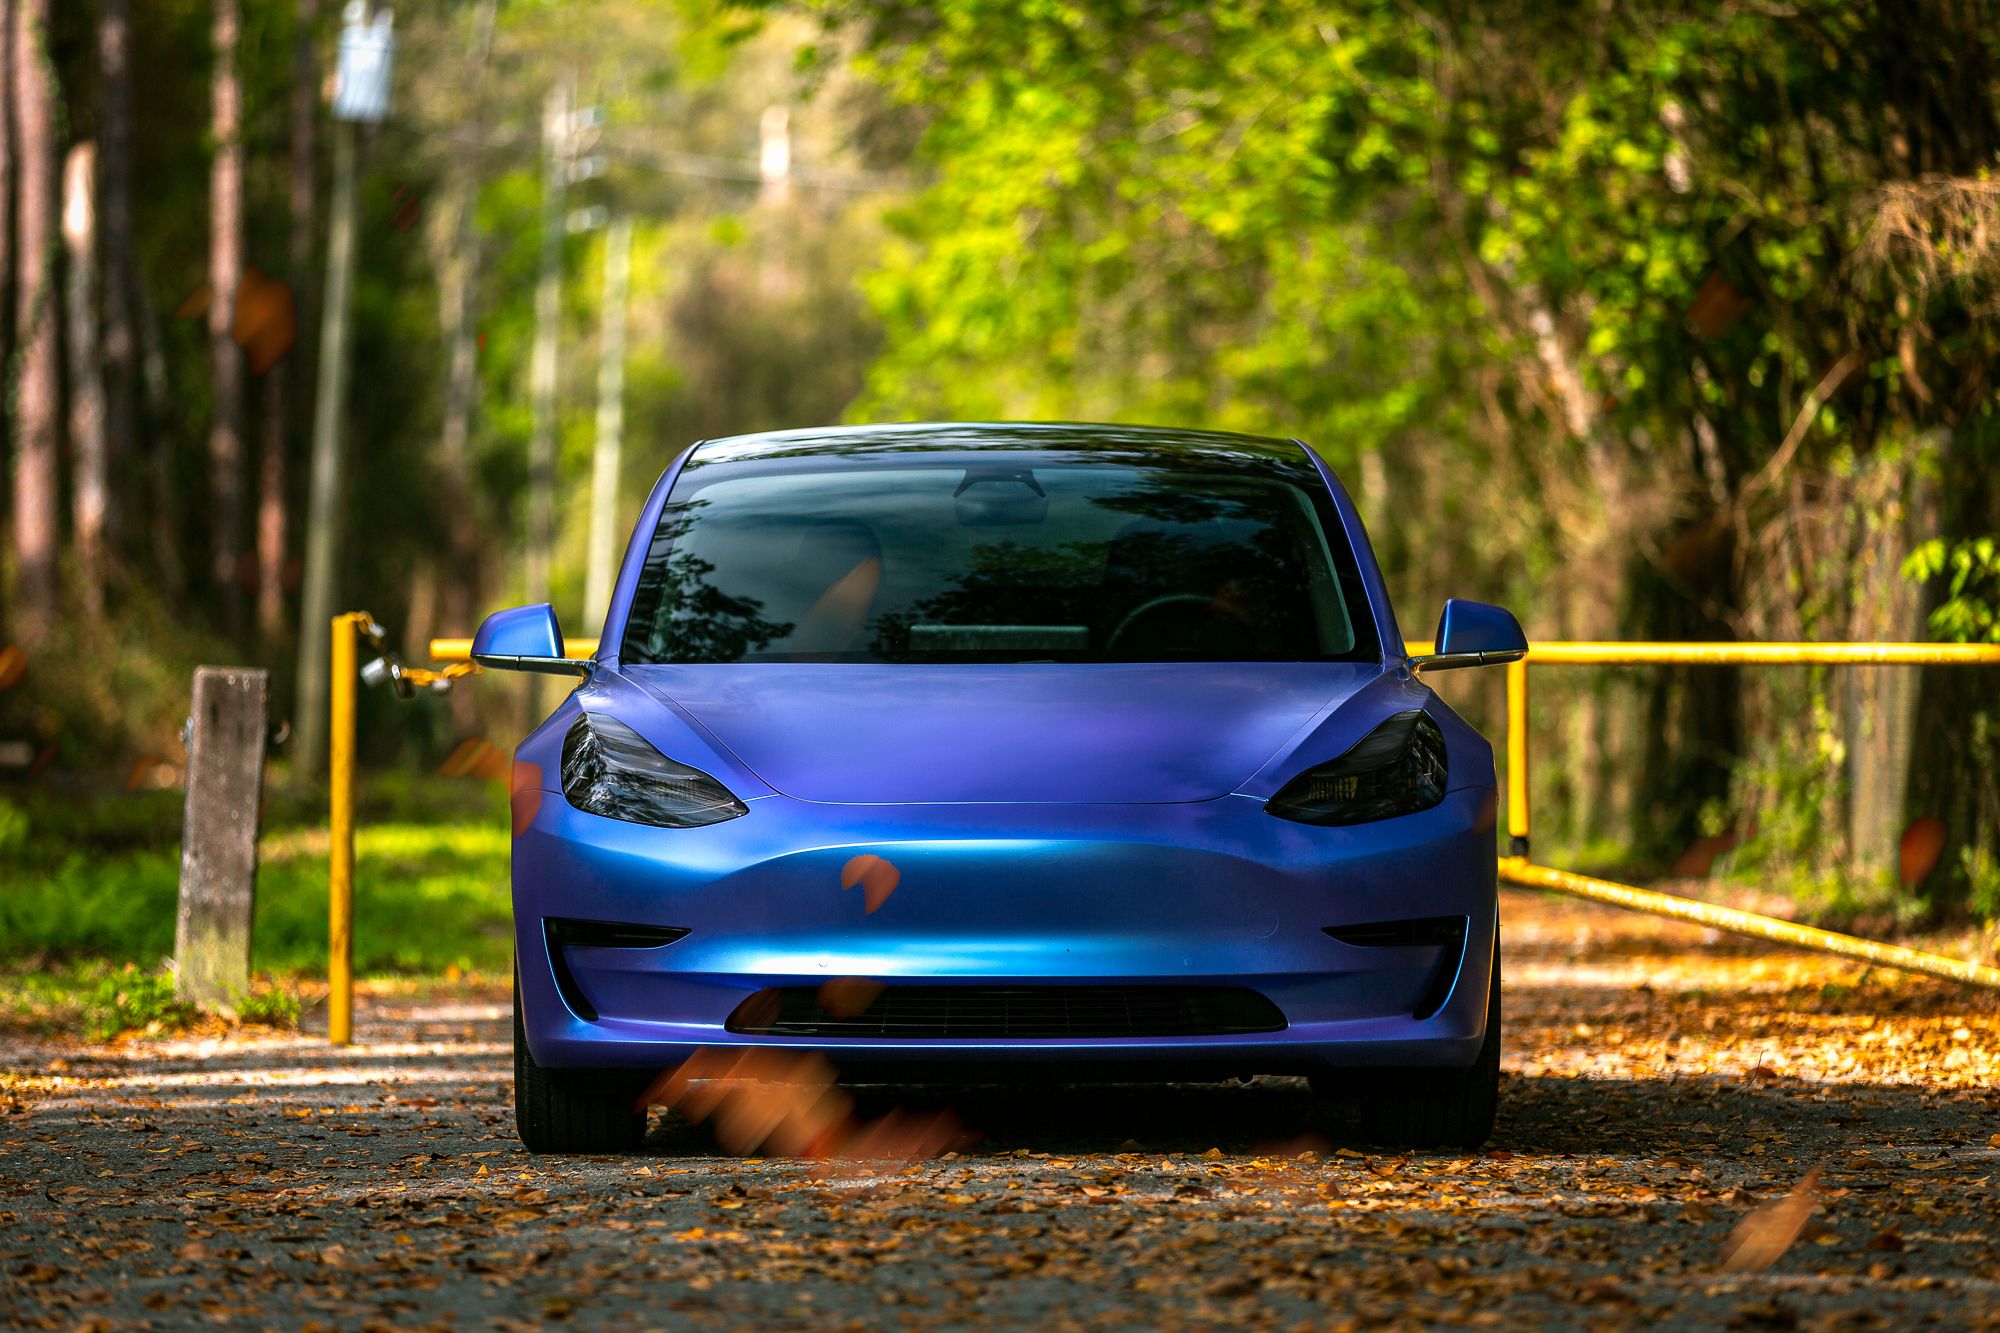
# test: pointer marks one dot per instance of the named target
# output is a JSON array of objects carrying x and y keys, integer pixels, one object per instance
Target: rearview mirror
[
  {"x": 996, "y": 495},
  {"x": 1473, "y": 634},
  {"x": 525, "y": 638}
]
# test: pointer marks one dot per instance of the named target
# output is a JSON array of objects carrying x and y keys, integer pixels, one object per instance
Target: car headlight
[
  {"x": 1396, "y": 769},
  {"x": 608, "y": 769}
]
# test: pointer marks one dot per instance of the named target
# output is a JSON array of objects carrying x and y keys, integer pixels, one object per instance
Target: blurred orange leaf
[{"x": 1764, "y": 1235}]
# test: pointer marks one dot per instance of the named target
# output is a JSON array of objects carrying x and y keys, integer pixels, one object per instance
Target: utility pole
[
  {"x": 565, "y": 129},
  {"x": 774, "y": 170},
  {"x": 361, "y": 96},
  {"x": 285, "y": 382},
  {"x": 225, "y": 280},
  {"x": 558, "y": 139},
  {"x": 610, "y": 422},
  {"x": 119, "y": 348},
  {"x": 774, "y": 156}
]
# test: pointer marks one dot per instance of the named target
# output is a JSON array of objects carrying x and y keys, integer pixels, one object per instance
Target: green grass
[
  {"x": 97, "y": 999},
  {"x": 93, "y": 998},
  {"x": 97, "y": 880},
  {"x": 274, "y": 1007}
]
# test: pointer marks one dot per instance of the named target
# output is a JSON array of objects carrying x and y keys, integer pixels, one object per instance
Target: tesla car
[{"x": 950, "y": 751}]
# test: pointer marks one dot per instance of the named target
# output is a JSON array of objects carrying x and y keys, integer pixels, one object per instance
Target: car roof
[{"x": 937, "y": 436}]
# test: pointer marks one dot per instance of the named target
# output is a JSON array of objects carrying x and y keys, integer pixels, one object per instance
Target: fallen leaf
[
  {"x": 1604, "y": 1291},
  {"x": 1763, "y": 1236},
  {"x": 1765, "y": 1314}
]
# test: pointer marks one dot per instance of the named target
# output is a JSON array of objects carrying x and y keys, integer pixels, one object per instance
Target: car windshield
[{"x": 968, "y": 555}]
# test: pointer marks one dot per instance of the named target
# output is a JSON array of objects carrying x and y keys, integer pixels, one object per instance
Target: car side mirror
[
  {"x": 525, "y": 638},
  {"x": 1473, "y": 634}
]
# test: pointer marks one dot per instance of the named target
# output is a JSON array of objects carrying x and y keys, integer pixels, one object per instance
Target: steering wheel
[{"x": 1147, "y": 608}]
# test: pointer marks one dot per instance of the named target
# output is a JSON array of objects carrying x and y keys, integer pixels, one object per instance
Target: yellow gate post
[
  {"x": 347, "y": 629},
  {"x": 1517, "y": 740},
  {"x": 1517, "y": 757}
]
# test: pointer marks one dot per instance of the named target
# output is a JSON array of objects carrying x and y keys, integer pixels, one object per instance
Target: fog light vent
[
  {"x": 610, "y": 934},
  {"x": 565, "y": 933},
  {"x": 1402, "y": 934}
]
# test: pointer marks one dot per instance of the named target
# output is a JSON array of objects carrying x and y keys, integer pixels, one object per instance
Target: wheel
[
  {"x": 1441, "y": 1108},
  {"x": 572, "y": 1110}
]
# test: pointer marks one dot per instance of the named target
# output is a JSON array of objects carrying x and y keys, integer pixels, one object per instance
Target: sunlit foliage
[{"x": 1661, "y": 321}]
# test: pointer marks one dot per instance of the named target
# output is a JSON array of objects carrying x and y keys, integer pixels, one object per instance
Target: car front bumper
[{"x": 1211, "y": 893}]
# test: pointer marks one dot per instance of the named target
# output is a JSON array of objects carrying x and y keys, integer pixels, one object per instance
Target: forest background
[{"x": 1666, "y": 321}]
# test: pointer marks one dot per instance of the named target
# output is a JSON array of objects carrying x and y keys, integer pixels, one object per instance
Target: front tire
[
  {"x": 571, "y": 1110},
  {"x": 1440, "y": 1108}
]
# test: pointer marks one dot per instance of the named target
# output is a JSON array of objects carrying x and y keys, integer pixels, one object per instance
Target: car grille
[{"x": 1011, "y": 1011}]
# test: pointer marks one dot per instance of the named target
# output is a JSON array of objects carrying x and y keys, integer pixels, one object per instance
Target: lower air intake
[{"x": 1012, "y": 1012}]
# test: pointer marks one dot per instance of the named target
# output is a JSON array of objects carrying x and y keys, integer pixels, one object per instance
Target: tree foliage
[
  {"x": 1664, "y": 321},
  {"x": 743, "y": 316}
]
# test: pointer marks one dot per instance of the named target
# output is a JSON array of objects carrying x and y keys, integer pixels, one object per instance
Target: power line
[{"x": 671, "y": 162}]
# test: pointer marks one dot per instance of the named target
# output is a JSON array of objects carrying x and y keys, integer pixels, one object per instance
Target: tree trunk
[
  {"x": 456, "y": 278},
  {"x": 1896, "y": 504},
  {"x": 163, "y": 519},
  {"x": 90, "y": 480},
  {"x": 119, "y": 345},
  {"x": 38, "y": 395},
  {"x": 225, "y": 272},
  {"x": 271, "y": 470},
  {"x": 323, "y": 494},
  {"x": 420, "y": 613},
  {"x": 274, "y": 468},
  {"x": 458, "y": 285},
  {"x": 6, "y": 212}
]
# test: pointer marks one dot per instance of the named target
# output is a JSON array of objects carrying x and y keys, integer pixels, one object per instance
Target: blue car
[{"x": 957, "y": 751}]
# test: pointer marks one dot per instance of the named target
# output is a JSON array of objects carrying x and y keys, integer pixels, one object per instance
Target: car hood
[{"x": 1039, "y": 732}]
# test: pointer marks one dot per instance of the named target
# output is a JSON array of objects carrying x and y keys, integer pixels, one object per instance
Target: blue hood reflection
[{"x": 1033, "y": 732}]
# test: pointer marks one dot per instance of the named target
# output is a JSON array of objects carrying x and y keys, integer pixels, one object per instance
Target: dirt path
[{"x": 1661, "y": 1086}]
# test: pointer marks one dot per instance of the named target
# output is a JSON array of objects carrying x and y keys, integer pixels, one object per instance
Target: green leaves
[
  {"x": 1970, "y": 572},
  {"x": 1552, "y": 285}
]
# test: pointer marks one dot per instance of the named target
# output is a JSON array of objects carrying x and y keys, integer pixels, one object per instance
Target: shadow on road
[{"x": 1657, "y": 1090}]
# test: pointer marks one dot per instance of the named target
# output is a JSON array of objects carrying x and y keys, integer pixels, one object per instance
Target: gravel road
[{"x": 1662, "y": 1086}]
